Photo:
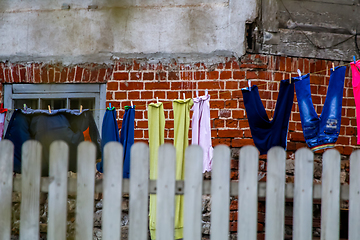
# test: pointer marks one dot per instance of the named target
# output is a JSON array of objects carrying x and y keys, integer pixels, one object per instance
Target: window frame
[{"x": 13, "y": 91}]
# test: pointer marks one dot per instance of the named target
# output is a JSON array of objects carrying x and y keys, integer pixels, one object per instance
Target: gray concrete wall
[
  {"x": 315, "y": 28},
  {"x": 96, "y": 31}
]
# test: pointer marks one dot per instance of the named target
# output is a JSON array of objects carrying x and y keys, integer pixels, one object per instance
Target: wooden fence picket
[
  {"x": 139, "y": 191},
  {"x": 303, "y": 194},
  {"x": 354, "y": 196},
  {"x": 165, "y": 192},
  {"x": 6, "y": 169},
  {"x": 275, "y": 194},
  {"x": 112, "y": 191},
  {"x": 247, "y": 199},
  {"x": 220, "y": 193},
  {"x": 59, "y": 154},
  {"x": 139, "y": 187},
  {"x": 30, "y": 190},
  {"x": 330, "y": 196},
  {"x": 86, "y": 156},
  {"x": 193, "y": 192}
]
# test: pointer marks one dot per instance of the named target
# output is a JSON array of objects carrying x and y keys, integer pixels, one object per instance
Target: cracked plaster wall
[{"x": 99, "y": 31}]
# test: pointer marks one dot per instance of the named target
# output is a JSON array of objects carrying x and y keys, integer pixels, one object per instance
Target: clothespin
[
  {"x": 197, "y": 93},
  {"x": 49, "y": 108},
  {"x": 249, "y": 85},
  {"x": 110, "y": 106},
  {"x": 80, "y": 108},
  {"x": 206, "y": 92},
  {"x": 299, "y": 72},
  {"x": 157, "y": 100},
  {"x": 131, "y": 104},
  {"x": 333, "y": 66},
  {"x": 354, "y": 59},
  {"x": 25, "y": 107},
  {"x": 290, "y": 80},
  {"x": 184, "y": 96}
]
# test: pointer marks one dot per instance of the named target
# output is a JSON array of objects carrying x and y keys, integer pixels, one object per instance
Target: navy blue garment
[
  {"x": 67, "y": 125},
  {"x": 18, "y": 132},
  {"x": 266, "y": 133},
  {"x": 109, "y": 133},
  {"x": 127, "y": 138},
  {"x": 321, "y": 132}
]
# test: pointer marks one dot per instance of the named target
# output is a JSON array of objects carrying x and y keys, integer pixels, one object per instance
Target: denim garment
[
  {"x": 266, "y": 133},
  {"x": 321, "y": 132}
]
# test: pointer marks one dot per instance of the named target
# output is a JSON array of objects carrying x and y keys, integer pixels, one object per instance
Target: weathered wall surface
[
  {"x": 96, "y": 31},
  {"x": 317, "y": 28}
]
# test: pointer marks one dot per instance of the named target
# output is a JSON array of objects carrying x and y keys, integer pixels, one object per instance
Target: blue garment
[
  {"x": 321, "y": 132},
  {"x": 266, "y": 133},
  {"x": 127, "y": 138},
  {"x": 109, "y": 133}
]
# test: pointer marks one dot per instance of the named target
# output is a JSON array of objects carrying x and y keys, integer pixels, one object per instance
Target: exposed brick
[
  {"x": 135, "y": 75},
  {"x": 173, "y": 76},
  {"x": 231, "y": 85},
  {"x": 239, "y": 74},
  {"x": 211, "y": 85},
  {"x": 148, "y": 76},
  {"x": 22, "y": 75},
  {"x": 242, "y": 142},
  {"x": 218, "y": 141},
  {"x": 218, "y": 123},
  {"x": 121, "y": 76},
  {"x": 199, "y": 75},
  {"x": 112, "y": 86},
  {"x": 131, "y": 85},
  {"x": 213, "y": 75},
  {"x": 120, "y": 95},
  {"x": 225, "y": 75},
  {"x": 157, "y": 85},
  {"x": 223, "y": 133}
]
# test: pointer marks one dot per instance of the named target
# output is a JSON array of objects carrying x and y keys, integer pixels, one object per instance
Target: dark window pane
[
  {"x": 30, "y": 103},
  {"x": 87, "y": 103},
  {"x": 54, "y": 103}
]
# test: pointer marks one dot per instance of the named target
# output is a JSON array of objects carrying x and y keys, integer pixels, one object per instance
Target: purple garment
[{"x": 201, "y": 130}]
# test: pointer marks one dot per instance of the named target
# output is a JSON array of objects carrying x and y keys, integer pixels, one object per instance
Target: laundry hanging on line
[{"x": 45, "y": 127}]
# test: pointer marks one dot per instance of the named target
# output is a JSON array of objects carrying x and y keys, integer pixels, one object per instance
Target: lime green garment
[
  {"x": 156, "y": 124},
  {"x": 181, "y": 141}
]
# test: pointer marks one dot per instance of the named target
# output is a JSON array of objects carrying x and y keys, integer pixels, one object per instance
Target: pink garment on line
[
  {"x": 201, "y": 129},
  {"x": 355, "y": 68},
  {"x": 2, "y": 121}
]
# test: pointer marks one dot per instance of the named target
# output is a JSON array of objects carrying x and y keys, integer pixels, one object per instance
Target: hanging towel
[
  {"x": 201, "y": 129},
  {"x": 321, "y": 132},
  {"x": 355, "y": 68},
  {"x": 109, "y": 133},
  {"x": 266, "y": 133},
  {"x": 156, "y": 124},
  {"x": 127, "y": 137},
  {"x": 181, "y": 141}
]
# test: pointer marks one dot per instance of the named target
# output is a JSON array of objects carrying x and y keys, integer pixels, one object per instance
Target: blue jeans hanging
[{"x": 321, "y": 132}]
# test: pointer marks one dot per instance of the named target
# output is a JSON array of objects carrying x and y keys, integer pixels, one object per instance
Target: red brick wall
[{"x": 141, "y": 82}]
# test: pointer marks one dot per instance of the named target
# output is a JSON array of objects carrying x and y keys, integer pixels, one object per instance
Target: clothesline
[{"x": 144, "y": 105}]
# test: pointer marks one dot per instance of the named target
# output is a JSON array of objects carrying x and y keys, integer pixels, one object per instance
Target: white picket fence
[{"x": 247, "y": 188}]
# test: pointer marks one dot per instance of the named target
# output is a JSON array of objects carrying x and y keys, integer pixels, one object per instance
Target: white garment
[{"x": 201, "y": 129}]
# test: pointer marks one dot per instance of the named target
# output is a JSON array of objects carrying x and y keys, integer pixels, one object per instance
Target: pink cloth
[
  {"x": 201, "y": 129},
  {"x": 355, "y": 68},
  {"x": 2, "y": 121}
]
